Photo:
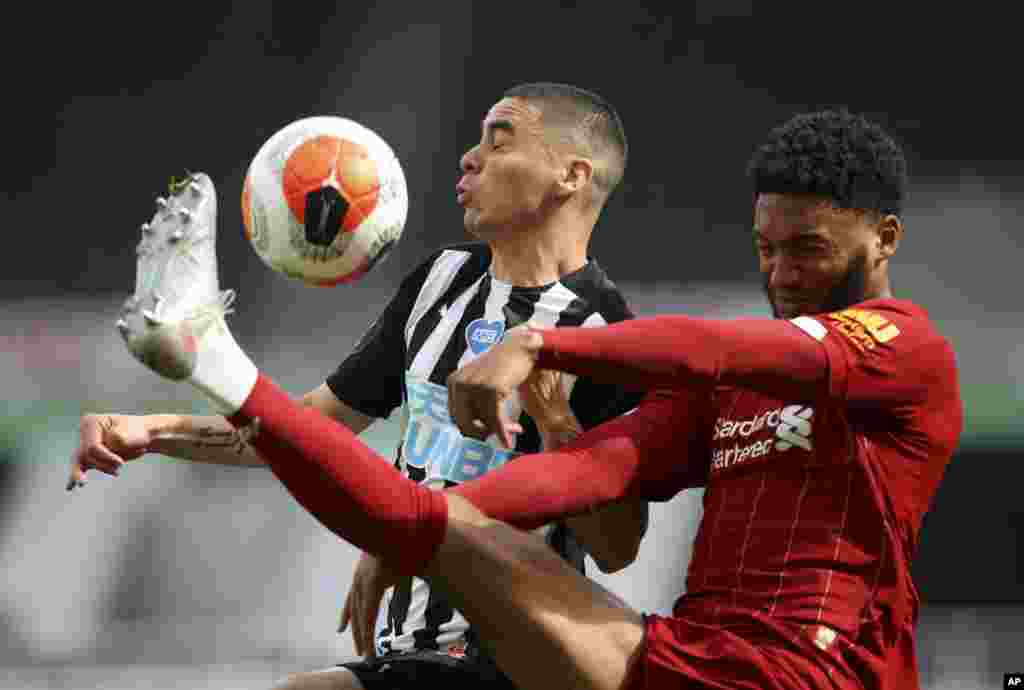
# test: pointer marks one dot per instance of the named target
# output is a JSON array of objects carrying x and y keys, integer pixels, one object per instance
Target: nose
[{"x": 470, "y": 163}]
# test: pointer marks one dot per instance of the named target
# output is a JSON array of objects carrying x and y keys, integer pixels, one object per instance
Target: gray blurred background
[{"x": 179, "y": 575}]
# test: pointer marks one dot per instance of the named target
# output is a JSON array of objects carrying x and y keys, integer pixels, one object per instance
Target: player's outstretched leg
[{"x": 174, "y": 322}]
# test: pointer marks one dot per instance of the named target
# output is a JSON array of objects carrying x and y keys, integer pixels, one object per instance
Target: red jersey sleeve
[
  {"x": 882, "y": 353},
  {"x": 651, "y": 453}
]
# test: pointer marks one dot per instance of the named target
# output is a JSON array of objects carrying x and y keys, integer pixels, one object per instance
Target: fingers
[
  {"x": 369, "y": 584},
  {"x": 353, "y": 614},
  {"x": 357, "y": 630},
  {"x": 369, "y": 624},
  {"x": 462, "y": 402},
  {"x": 76, "y": 478},
  {"x": 103, "y": 459},
  {"x": 346, "y": 613},
  {"x": 531, "y": 396},
  {"x": 543, "y": 390},
  {"x": 478, "y": 412},
  {"x": 544, "y": 397},
  {"x": 458, "y": 405},
  {"x": 91, "y": 451},
  {"x": 490, "y": 419},
  {"x": 507, "y": 430}
]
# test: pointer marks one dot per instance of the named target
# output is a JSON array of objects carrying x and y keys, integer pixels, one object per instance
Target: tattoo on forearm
[{"x": 208, "y": 437}]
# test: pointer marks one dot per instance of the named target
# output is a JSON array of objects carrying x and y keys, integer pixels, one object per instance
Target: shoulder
[
  {"x": 896, "y": 323},
  {"x": 886, "y": 354},
  {"x": 599, "y": 292},
  {"x": 452, "y": 258},
  {"x": 477, "y": 250}
]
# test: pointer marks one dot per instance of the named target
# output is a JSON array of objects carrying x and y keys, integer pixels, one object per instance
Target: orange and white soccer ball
[{"x": 324, "y": 200}]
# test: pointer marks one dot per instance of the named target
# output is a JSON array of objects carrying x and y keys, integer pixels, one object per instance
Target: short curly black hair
[{"x": 836, "y": 154}]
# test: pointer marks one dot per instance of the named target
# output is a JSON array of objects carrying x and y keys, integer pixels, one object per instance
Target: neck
[
  {"x": 531, "y": 259},
  {"x": 879, "y": 287}
]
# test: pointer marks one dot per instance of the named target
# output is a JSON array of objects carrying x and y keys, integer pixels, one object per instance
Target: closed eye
[
  {"x": 499, "y": 140},
  {"x": 809, "y": 249}
]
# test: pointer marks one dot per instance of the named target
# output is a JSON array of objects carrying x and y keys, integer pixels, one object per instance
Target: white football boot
[{"x": 174, "y": 323}]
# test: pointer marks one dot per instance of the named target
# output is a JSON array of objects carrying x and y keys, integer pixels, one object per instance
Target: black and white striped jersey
[{"x": 447, "y": 311}]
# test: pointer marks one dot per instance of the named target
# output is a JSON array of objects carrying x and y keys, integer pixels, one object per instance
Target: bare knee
[{"x": 327, "y": 679}]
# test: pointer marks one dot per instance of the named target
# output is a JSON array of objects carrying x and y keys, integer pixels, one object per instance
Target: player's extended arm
[
  {"x": 351, "y": 491},
  {"x": 612, "y": 533},
  {"x": 198, "y": 438},
  {"x": 108, "y": 440},
  {"x": 214, "y": 440},
  {"x": 771, "y": 356},
  {"x": 767, "y": 355},
  {"x": 645, "y": 455}
]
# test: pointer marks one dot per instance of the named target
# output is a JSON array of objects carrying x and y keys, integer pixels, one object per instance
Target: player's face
[
  {"x": 813, "y": 257},
  {"x": 508, "y": 178}
]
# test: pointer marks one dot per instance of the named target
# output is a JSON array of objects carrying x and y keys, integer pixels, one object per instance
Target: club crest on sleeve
[
  {"x": 865, "y": 329},
  {"x": 481, "y": 334}
]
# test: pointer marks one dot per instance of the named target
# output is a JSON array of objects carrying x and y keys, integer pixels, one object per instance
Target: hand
[
  {"x": 370, "y": 581},
  {"x": 105, "y": 442},
  {"x": 477, "y": 391},
  {"x": 544, "y": 398}
]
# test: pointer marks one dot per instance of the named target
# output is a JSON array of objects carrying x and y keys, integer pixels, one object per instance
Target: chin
[
  {"x": 471, "y": 222},
  {"x": 479, "y": 228},
  {"x": 791, "y": 312}
]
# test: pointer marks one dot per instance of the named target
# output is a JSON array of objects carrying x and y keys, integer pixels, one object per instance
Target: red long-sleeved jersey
[{"x": 820, "y": 441}]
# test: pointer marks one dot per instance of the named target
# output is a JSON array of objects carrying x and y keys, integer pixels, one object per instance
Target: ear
[
  {"x": 576, "y": 175},
  {"x": 889, "y": 234}
]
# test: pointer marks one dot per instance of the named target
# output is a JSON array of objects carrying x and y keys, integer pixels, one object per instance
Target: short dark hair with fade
[
  {"x": 594, "y": 124},
  {"x": 836, "y": 154}
]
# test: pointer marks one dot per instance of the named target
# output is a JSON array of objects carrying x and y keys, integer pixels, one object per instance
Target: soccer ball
[{"x": 324, "y": 200}]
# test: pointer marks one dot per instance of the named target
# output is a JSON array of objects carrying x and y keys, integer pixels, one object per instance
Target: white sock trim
[{"x": 224, "y": 373}]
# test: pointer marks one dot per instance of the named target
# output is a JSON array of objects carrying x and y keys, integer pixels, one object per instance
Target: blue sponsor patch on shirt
[{"x": 481, "y": 334}]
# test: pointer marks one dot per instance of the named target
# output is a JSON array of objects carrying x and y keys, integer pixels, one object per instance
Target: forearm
[
  {"x": 201, "y": 439},
  {"x": 639, "y": 456},
  {"x": 612, "y": 533},
  {"x": 548, "y": 487},
  {"x": 768, "y": 355},
  {"x": 215, "y": 441}
]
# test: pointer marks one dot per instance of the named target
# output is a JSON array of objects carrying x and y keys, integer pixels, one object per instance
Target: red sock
[{"x": 349, "y": 488}]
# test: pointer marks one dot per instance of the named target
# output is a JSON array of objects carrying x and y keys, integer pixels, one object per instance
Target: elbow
[
  {"x": 613, "y": 534},
  {"x": 614, "y": 560},
  {"x": 621, "y": 553}
]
